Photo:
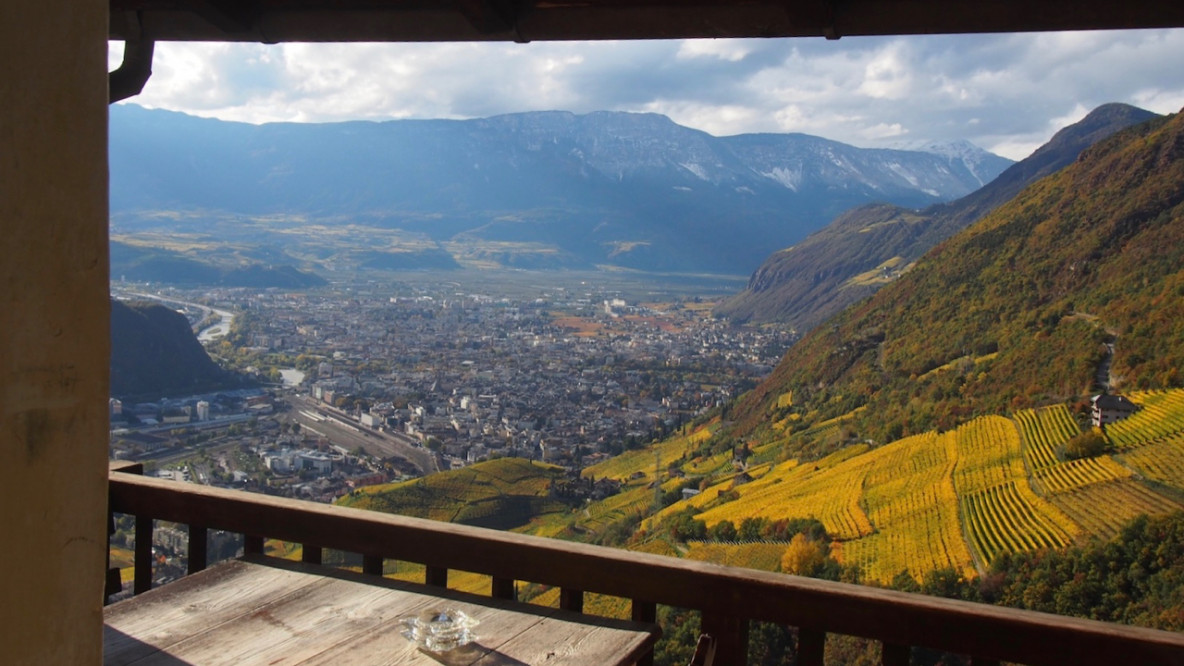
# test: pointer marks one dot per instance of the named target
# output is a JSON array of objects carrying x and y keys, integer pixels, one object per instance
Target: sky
[{"x": 1005, "y": 93}]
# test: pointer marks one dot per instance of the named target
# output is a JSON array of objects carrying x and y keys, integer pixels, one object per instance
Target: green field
[{"x": 503, "y": 493}]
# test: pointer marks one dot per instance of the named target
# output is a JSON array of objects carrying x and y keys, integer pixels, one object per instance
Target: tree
[
  {"x": 724, "y": 530},
  {"x": 803, "y": 557},
  {"x": 750, "y": 529},
  {"x": 1086, "y": 445}
]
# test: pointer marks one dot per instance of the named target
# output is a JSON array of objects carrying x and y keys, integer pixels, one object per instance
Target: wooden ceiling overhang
[{"x": 274, "y": 21}]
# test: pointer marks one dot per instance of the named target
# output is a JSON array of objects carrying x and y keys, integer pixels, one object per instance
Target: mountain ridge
[
  {"x": 805, "y": 284},
  {"x": 631, "y": 190},
  {"x": 1016, "y": 310}
]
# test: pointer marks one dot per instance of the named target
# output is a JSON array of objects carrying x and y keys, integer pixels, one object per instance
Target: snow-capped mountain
[
  {"x": 635, "y": 190},
  {"x": 984, "y": 165}
]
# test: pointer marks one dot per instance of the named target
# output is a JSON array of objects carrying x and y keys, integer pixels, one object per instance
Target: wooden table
[{"x": 267, "y": 611}]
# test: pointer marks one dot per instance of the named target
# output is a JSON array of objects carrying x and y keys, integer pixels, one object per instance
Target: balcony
[{"x": 727, "y": 597}]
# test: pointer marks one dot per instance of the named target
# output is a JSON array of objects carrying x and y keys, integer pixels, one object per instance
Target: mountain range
[
  {"x": 867, "y": 247},
  {"x": 533, "y": 190}
]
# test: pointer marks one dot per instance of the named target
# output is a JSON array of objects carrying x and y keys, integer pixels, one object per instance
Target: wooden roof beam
[
  {"x": 492, "y": 16},
  {"x": 229, "y": 16},
  {"x": 521, "y": 20}
]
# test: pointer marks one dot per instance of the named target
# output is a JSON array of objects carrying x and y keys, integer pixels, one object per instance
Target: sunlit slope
[
  {"x": 961, "y": 498},
  {"x": 1013, "y": 312},
  {"x": 502, "y": 493},
  {"x": 952, "y": 500},
  {"x": 640, "y": 463}
]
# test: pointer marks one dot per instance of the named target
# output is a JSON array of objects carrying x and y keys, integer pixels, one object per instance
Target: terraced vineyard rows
[
  {"x": 992, "y": 486},
  {"x": 1161, "y": 461},
  {"x": 633, "y": 501},
  {"x": 1103, "y": 508},
  {"x": 1044, "y": 431},
  {"x": 1011, "y": 518},
  {"x": 763, "y": 556},
  {"x": 1074, "y": 474},
  {"x": 989, "y": 454},
  {"x": 641, "y": 461},
  {"x": 829, "y": 494},
  {"x": 910, "y": 499},
  {"x": 1161, "y": 414}
]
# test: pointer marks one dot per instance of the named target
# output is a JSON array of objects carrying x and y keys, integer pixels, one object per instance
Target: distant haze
[{"x": 532, "y": 190}]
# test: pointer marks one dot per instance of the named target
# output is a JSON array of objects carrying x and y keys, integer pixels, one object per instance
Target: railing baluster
[
  {"x": 892, "y": 654},
  {"x": 645, "y": 611},
  {"x": 437, "y": 576},
  {"x": 503, "y": 588},
  {"x": 252, "y": 545},
  {"x": 731, "y": 637},
  {"x": 571, "y": 600},
  {"x": 372, "y": 565},
  {"x": 143, "y": 557},
  {"x": 310, "y": 553},
  {"x": 811, "y": 647},
  {"x": 197, "y": 549},
  {"x": 720, "y": 593}
]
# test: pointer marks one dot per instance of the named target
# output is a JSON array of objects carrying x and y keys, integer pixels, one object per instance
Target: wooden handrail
[{"x": 895, "y": 618}]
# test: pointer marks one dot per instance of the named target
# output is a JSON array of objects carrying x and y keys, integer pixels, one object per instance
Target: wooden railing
[{"x": 727, "y": 597}]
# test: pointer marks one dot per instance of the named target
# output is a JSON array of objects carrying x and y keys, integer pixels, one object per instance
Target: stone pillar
[{"x": 54, "y": 329}]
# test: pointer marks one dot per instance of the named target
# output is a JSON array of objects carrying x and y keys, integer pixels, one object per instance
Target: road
[{"x": 338, "y": 428}]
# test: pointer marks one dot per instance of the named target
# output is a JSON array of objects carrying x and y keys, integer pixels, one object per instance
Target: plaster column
[{"x": 54, "y": 330}]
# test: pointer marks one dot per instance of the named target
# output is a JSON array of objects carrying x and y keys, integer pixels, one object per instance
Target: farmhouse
[{"x": 1110, "y": 408}]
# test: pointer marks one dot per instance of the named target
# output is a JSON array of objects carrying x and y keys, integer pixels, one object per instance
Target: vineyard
[
  {"x": 641, "y": 461},
  {"x": 989, "y": 454},
  {"x": 957, "y": 499},
  {"x": 994, "y": 485},
  {"x": 1076, "y": 474},
  {"x": 1011, "y": 518},
  {"x": 502, "y": 493},
  {"x": 1101, "y": 509},
  {"x": 1044, "y": 431},
  {"x": 1160, "y": 415},
  {"x": 1161, "y": 461},
  {"x": 910, "y": 499},
  {"x": 758, "y": 555},
  {"x": 828, "y": 490}
]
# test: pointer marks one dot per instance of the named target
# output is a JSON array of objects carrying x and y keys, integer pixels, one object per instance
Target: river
[
  {"x": 208, "y": 333},
  {"x": 219, "y": 329}
]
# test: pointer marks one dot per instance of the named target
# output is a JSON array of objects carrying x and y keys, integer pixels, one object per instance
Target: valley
[{"x": 936, "y": 435}]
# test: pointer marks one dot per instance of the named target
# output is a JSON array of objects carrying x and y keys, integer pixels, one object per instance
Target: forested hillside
[
  {"x": 155, "y": 353},
  {"x": 870, "y": 246},
  {"x": 1014, "y": 312}
]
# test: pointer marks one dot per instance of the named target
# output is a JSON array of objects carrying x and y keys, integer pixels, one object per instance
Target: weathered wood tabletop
[{"x": 266, "y": 611}]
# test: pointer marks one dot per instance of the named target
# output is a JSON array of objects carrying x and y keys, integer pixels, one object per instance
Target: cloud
[{"x": 1008, "y": 93}]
